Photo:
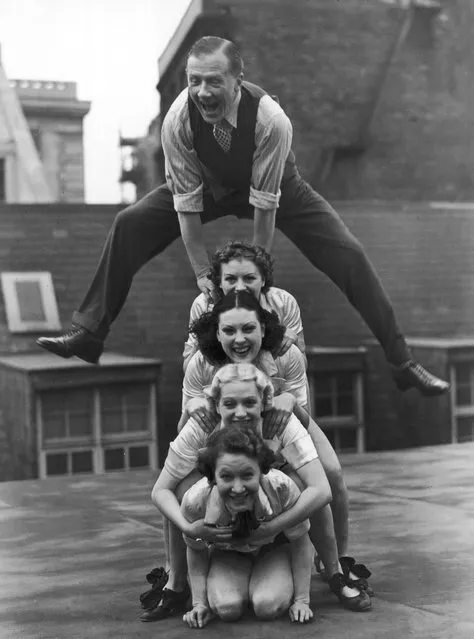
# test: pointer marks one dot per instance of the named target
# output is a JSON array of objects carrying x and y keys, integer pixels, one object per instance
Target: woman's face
[
  {"x": 241, "y": 275},
  {"x": 240, "y": 403},
  {"x": 240, "y": 334},
  {"x": 237, "y": 479}
]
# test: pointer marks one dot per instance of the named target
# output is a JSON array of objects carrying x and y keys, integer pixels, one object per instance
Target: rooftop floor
[{"x": 74, "y": 554}]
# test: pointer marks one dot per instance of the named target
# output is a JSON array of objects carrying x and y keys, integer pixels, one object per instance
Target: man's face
[{"x": 212, "y": 87}]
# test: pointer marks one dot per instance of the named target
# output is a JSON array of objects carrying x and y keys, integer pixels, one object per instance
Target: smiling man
[{"x": 227, "y": 147}]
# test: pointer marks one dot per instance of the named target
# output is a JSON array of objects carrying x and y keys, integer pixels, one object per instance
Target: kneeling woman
[{"x": 239, "y": 489}]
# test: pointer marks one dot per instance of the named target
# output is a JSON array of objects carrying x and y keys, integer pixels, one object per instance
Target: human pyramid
[{"x": 251, "y": 490}]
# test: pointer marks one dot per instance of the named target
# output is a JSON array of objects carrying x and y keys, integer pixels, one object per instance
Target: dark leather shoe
[
  {"x": 413, "y": 375},
  {"x": 172, "y": 603},
  {"x": 76, "y": 341}
]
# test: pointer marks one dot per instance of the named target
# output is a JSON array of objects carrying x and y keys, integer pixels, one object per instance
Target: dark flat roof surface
[
  {"x": 48, "y": 361},
  {"x": 74, "y": 554}
]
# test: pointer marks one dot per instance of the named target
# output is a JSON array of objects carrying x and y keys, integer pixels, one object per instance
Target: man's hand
[
  {"x": 289, "y": 338},
  {"x": 200, "y": 530},
  {"x": 276, "y": 419},
  {"x": 198, "y": 617},
  {"x": 206, "y": 286},
  {"x": 300, "y": 612},
  {"x": 202, "y": 410}
]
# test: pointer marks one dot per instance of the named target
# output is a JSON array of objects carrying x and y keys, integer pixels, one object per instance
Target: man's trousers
[{"x": 144, "y": 229}]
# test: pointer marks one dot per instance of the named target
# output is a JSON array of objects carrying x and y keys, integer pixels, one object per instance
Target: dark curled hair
[
  {"x": 205, "y": 328},
  {"x": 240, "y": 440},
  {"x": 207, "y": 45},
  {"x": 237, "y": 250}
]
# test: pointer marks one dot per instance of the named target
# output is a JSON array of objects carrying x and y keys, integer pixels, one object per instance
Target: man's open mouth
[{"x": 209, "y": 107}]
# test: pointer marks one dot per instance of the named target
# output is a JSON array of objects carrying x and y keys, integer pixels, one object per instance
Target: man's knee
[
  {"x": 228, "y": 608},
  {"x": 268, "y": 606}
]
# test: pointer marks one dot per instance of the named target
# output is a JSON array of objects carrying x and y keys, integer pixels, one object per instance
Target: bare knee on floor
[
  {"x": 267, "y": 606},
  {"x": 228, "y": 608}
]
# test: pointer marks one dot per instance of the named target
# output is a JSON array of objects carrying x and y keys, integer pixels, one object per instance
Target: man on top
[{"x": 227, "y": 147}]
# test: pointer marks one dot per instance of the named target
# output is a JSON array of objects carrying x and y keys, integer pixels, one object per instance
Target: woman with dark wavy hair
[
  {"x": 241, "y": 266},
  {"x": 238, "y": 329}
]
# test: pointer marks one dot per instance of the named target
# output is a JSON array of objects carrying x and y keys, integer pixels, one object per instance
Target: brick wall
[{"x": 424, "y": 255}]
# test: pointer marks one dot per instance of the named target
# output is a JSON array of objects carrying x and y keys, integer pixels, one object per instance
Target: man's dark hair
[
  {"x": 240, "y": 440},
  {"x": 205, "y": 328},
  {"x": 236, "y": 250},
  {"x": 210, "y": 44}
]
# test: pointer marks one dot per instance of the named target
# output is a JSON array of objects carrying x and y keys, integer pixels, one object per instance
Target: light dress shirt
[{"x": 184, "y": 172}]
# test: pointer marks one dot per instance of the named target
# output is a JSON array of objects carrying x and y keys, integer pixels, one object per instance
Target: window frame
[
  {"x": 336, "y": 423},
  {"x": 461, "y": 410},
  {"x": 52, "y": 323},
  {"x": 99, "y": 443}
]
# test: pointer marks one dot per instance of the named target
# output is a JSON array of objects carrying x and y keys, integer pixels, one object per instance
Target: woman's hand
[
  {"x": 202, "y": 410},
  {"x": 300, "y": 612},
  {"x": 198, "y": 617},
  {"x": 276, "y": 419},
  {"x": 264, "y": 532},
  {"x": 200, "y": 530},
  {"x": 289, "y": 338}
]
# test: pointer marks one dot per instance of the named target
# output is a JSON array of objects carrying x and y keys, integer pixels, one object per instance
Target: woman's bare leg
[
  {"x": 228, "y": 584},
  {"x": 271, "y": 584}
]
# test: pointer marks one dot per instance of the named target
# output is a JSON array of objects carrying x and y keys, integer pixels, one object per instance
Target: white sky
[{"x": 110, "y": 48}]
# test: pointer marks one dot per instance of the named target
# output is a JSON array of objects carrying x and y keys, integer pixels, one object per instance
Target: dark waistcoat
[{"x": 233, "y": 170}]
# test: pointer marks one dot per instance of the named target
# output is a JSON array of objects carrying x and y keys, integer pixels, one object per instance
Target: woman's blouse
[
  {"x": 287, "y": 373},
  {"x": 277, "y": 494},
  {"x": 294, "y": 446}
]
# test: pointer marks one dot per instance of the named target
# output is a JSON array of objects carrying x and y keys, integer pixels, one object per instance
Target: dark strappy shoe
[
  {"x": 157, "y": 578},
  {"x": 361, "y": 603},
  {"x": 362, "y": 573}
]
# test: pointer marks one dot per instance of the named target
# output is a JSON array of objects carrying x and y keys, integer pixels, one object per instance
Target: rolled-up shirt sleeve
[
  {"x": 273, "y": 137},
  {"x": 182, "y": 168},
  {"x": 297, "y": 447}
]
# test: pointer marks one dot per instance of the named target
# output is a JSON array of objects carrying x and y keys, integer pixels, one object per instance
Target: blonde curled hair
[{"x": 242, "y": 373}]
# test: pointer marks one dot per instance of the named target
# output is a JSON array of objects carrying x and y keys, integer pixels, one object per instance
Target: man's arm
[
  {"x": 193, "y": 239},
  {"x": 273, "y": 135},
  {"x": 264, "y": 227},
  {"x": 184, "y": 179}
]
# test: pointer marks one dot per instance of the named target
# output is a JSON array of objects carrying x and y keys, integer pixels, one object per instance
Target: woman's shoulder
[
  {"x": 195, "y": 498},
  {"x": 199, "y": 306},
  {"x": 279, "y": 295},
  {"x": 276, "y": 482}
]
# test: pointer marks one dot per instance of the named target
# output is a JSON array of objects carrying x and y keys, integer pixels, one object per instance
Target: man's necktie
[{"x": 222, "y": 132}]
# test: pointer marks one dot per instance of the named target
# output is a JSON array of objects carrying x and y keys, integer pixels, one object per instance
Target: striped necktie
[{"x": 222, "y": 132}]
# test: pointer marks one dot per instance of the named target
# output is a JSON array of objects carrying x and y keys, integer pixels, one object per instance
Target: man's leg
[
  {"x": 320, "y": 234},
  {"x": 139, "y": 233}
]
